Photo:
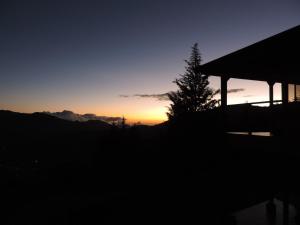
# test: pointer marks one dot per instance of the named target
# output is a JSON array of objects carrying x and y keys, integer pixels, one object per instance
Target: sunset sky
[{"x": 113, "y": 57}]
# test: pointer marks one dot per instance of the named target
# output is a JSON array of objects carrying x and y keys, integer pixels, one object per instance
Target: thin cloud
[
  {"x": 164, "y": 96},
  {"x": 160, "y": 97},
  {"x": 230, "y": 91},
  {"x": 235, "y": 90}
]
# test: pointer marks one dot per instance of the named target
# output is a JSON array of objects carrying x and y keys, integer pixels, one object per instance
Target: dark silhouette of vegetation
[
  {"x": 194, "y": 94},
  {"x": 96, "y": 173}
]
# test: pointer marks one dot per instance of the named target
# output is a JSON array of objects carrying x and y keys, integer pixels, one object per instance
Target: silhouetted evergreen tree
[{"x": 194, "y": 93}]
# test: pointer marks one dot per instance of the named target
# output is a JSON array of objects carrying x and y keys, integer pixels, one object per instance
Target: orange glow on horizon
[
  {"x": 146, "y": 112},
  {"x": 134, "y": 109}
]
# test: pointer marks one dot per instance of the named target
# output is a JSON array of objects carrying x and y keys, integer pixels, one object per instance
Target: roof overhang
[{"x": 276, "y": 58}]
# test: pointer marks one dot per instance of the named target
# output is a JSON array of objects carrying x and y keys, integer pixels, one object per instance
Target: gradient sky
[{"x": 82, "y": 55}]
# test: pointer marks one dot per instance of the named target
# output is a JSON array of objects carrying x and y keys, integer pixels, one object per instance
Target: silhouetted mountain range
[
  {"x": 69, "y": 115},
  {"x": 42, "y": 122}
]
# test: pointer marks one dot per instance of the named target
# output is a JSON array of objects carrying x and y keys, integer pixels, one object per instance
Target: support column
[
  {"x": 271, "y": 92},
  {"x": 285, "y": 208},
  {"x": 295, "y": 92},
  {"x": 284, "y": 92},
  {"x": 224, "y": 80}
]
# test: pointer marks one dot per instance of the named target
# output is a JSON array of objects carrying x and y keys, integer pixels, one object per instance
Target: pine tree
[{"x": 194, "y": 93}]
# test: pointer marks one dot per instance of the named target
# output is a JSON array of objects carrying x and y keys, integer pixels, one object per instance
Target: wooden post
[
  {"x": 271, "y": 92},
  {"x": 285, "y": 208},
  {"x": 295, "y": 92},
  {"x": 284, "y": 93},
  {"x": 224, "y": 80}
]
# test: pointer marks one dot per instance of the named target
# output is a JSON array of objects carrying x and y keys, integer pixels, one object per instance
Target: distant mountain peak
[
  {"x": 71, "y": 116},
  {"x": 47, "y": 122}
]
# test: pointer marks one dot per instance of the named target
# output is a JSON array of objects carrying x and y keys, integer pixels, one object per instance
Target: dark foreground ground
[{"x": 58, "y": 172}]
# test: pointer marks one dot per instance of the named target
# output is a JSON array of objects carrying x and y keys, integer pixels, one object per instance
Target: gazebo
[{"x": 275, "y": 59}]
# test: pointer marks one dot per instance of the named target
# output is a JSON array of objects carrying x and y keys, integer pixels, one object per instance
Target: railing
[
  {"x": 257, "y": 103},
  {"x": 262, "y": 134},
  {"x": 246, "y": 114}
]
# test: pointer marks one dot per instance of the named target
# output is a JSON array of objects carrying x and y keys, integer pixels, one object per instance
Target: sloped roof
[{"x": 276, "y": 58}]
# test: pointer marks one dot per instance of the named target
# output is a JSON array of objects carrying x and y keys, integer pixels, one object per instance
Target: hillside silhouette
[
  {"x": 71, "y": 116},
  {"x": 18, "y": 122},
  {"x": 187, "y": 170}
]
